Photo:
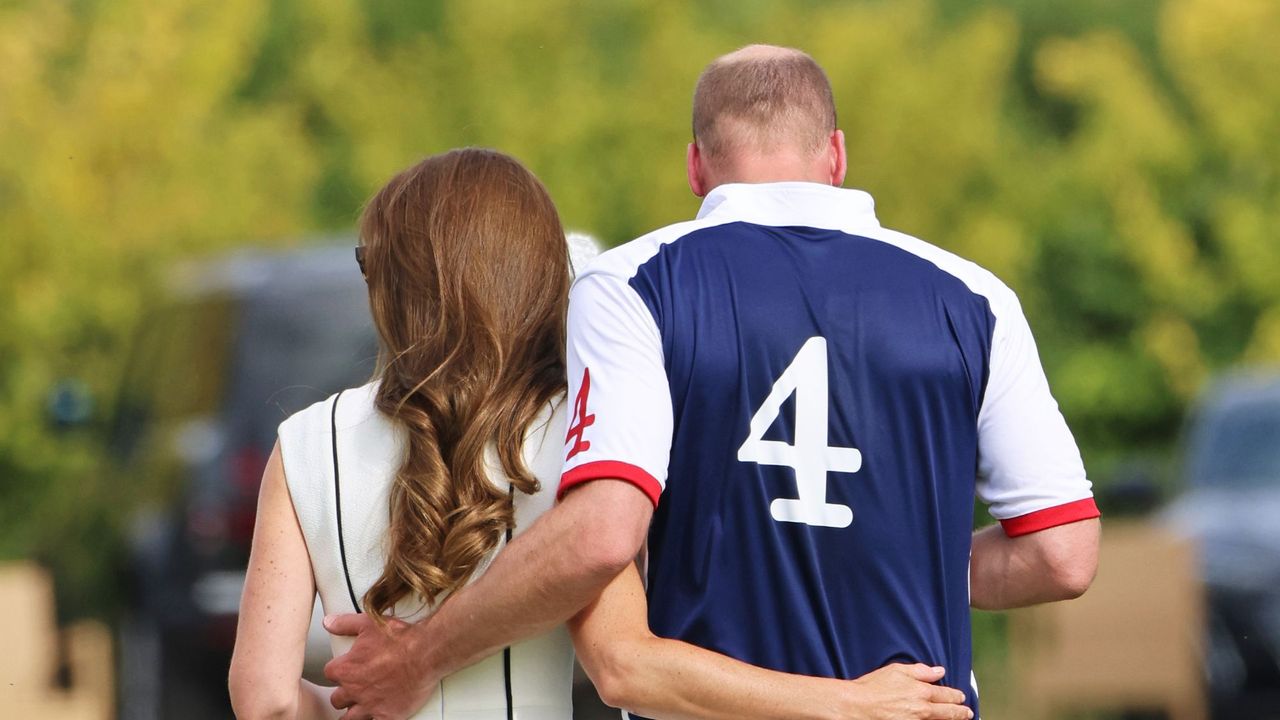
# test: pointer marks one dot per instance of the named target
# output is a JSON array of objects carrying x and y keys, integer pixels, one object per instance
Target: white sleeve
[
  {"x": 1029, "y": 468},
  {"x": 620, "y": 402}
]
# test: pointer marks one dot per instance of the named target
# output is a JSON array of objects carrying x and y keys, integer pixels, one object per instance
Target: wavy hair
[{"x": 468, "y": 275}]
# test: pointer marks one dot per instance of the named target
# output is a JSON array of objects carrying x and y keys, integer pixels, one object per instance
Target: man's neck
[{"x": 758, "y": 169}]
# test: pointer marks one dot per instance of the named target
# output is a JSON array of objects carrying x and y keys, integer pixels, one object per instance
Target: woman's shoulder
[
  {"x": 366, "y": 441},
  {"x": 344, "y": 408},
  {"x": 309, "y": 431}
]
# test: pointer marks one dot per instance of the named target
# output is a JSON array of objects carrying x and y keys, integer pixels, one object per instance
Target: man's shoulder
[
  {"x": 623, "y": 261},
  {"x": 977, "y": 278}
]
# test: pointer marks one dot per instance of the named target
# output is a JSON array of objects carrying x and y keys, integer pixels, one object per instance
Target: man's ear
[
  {"x": 839, "y": 158},
  {"x": 694, "y": 168}
]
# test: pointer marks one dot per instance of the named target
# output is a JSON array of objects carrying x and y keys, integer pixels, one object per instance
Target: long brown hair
[{"x": 468, "y": 276}]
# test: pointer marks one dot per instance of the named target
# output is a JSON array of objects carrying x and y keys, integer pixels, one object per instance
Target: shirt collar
[{"x": 790, "y": 203}]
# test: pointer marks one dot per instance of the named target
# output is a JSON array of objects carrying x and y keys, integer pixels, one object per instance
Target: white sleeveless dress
[{"x": 529, "y": 681}]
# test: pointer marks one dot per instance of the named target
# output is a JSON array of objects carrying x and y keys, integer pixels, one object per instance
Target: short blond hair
[{"x": 760, "y": 98}]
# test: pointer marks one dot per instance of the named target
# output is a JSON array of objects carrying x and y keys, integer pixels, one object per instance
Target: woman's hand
[{"x": 902, "y": 692}]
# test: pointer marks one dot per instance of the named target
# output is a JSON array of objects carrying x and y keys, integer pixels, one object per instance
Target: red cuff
[
  {"x": 1051, "y": 517},
  {"x": 611, "y": 470}
]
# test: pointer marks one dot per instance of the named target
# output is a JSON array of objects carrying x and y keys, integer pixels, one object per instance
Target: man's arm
[
  {"x": 1057, "y": 563},
  {"x": 669, "y": 679},
  {"x": 1031, "y": 475},
  {"x": 543, "y": 578}
]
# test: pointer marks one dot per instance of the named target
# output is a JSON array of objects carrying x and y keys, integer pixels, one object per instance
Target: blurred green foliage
[{"x": 1116, "y": 163}]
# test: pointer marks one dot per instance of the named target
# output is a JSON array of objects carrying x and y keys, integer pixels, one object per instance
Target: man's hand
[
  {"x": 898, "y": 692},
  {"x": 381, "y": 677}
]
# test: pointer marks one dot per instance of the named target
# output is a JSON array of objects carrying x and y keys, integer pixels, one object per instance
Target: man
[{"x": 804, "y": 397}]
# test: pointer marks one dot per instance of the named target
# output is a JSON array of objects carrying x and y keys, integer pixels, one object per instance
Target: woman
[{"x": 388, "y": 497}]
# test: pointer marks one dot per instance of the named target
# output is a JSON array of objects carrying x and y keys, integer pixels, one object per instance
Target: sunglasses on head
[{"x": 360, "y": 259}]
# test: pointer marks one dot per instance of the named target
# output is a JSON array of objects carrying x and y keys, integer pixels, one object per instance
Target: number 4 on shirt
[
  {"x": 581, "y": 418},
  {"x": 810, "y": 457}
]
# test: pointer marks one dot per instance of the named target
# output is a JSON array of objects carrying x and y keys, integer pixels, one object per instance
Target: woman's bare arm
[
  {"x": 275, "y": 611},
  {"x": 668, "y": 679}
]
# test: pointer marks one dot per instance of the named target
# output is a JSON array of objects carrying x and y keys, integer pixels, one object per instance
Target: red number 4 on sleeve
[{"x": 581, "y": 420}]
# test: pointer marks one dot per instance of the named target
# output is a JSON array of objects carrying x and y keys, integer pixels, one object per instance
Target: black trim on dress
[
  {"x": 506, "y": 652},
  {"x": 337, "y": 501}
]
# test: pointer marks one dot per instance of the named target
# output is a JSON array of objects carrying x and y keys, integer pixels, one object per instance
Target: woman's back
[{"x": 530, "y": 681}]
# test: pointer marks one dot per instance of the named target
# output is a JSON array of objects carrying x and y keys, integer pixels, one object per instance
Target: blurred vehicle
[
  {"x": 243, "y": 343},
  {"x": 1231, "y": 508}
]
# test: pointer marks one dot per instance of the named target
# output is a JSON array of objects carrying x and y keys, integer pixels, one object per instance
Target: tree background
[{"x": 1115, "y": 163}]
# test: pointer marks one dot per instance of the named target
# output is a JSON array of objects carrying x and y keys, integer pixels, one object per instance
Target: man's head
[{"x": 764, "y": 114}]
